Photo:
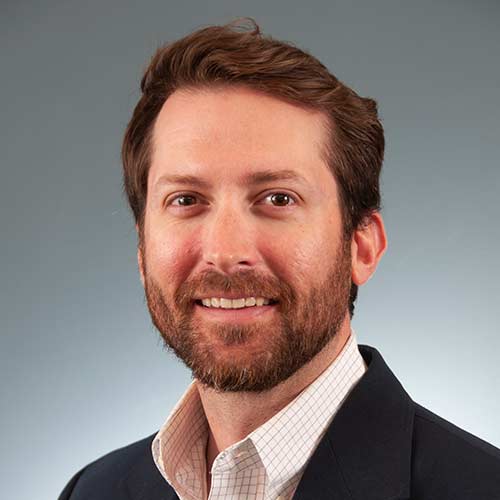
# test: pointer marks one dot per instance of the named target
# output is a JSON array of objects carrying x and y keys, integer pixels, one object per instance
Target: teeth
[
  {"x": 211, "y": 302},
  {"x": 238, "y": 303},
  {"x": 250, "y": 302},
  {"x": 235, "y": 303},
  {"x": 228, "y": 304}
]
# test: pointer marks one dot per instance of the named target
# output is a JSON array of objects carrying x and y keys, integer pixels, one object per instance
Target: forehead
[{"x": 207, "y": 131}]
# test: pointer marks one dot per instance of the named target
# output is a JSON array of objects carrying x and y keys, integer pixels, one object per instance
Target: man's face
[{"x": 240, "y": 235}]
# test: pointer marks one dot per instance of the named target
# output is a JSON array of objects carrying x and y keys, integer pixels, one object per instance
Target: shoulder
[
  {"x": 450, "y": 463},
  {"x": 106, "y": 477}
]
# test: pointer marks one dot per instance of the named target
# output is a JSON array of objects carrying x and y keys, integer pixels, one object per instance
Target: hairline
[{"x": 326, "y": 146}]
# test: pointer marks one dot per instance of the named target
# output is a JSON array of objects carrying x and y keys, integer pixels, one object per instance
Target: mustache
[{"x": 244, "y": 283}]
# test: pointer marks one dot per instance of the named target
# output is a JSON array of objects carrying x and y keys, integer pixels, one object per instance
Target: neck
[{"x": 232, "y": 416}]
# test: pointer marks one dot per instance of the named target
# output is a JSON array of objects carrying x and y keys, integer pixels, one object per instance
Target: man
[{"x": 253, "y": 177}]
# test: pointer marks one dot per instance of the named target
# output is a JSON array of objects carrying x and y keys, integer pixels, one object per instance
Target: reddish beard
[{"x": 218, "y": 354}]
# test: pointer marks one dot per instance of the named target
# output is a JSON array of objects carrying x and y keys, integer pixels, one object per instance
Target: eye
[
  {"x": 278, "y": 199},
  {"x": 281, "y": 199},
  {"x": 183, "y": 197}
]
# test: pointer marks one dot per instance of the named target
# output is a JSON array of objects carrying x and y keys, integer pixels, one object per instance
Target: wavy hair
[{"x": 239, "y": 54}]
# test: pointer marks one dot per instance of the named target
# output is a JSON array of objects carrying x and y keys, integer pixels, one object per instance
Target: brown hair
[{"x": 235, "y": 54}]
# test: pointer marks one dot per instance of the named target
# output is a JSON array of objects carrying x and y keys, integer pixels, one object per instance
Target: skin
[{"x": 232, "y": 227}]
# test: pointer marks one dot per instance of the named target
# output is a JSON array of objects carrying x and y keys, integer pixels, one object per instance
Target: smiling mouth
[
  {"x": 200, "y": 303},
  {"x": 241, "y": 315}
]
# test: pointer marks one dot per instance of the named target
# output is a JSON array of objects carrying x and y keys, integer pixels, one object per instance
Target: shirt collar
[
  {"x": 287, "y": 440},
  {"x": 179, "y": 446}
]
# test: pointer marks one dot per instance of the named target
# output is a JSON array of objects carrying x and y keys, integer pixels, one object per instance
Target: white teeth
[
  {"x": 226, "y": 303},
  {"x": 250, "y": 302},
  {"x": 234, "y": 303},
  {"x": 238, "y": 303}
]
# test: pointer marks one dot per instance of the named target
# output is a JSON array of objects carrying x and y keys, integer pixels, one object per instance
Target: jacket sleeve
[{"x": 66, "y": 494}]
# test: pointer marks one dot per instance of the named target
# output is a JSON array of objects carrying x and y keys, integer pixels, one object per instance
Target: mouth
[
  {"x": 200, "y": 303},
  {"x": 239, "y": 315}
]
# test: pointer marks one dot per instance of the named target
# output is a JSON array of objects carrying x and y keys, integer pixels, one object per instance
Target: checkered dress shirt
[{"x": 266, "y": 465}]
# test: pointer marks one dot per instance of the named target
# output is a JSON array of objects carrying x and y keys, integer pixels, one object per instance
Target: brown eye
[
  {"x": 184, "y": 200},
  {"x": 280, "y": 199}
]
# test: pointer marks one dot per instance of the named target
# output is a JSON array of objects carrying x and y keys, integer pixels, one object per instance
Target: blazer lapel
[
  {"x": 366, "y": 452},
  {"x": 146, "y": 483}
]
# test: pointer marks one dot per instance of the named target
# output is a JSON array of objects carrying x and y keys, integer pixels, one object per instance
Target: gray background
[{"x": 82, "y": 369}]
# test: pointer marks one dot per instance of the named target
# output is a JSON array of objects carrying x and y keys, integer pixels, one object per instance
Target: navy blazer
[{"x": 381, "y": 445}]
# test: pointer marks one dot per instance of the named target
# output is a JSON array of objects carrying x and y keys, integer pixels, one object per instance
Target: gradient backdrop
[{"x": 82, "y": 369}]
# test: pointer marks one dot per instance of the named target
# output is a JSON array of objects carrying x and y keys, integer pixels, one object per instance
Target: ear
[
  {"x": 140, "y": 259},
  {"x": 368, "y": 244}
]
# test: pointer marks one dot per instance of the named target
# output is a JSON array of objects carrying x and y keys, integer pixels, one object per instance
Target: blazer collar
[
  {"x": 366, "y": 452},
  {"x": 145, "y": 481}
]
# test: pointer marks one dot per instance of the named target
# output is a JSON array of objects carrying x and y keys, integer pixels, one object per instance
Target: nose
[{"x": 229, "y": 241}]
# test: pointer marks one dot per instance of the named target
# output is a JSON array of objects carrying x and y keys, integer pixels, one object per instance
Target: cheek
[
  {"x": 297, "y": 257},
  {"x": 169, "y": 258},
  {"x": 309, "y": 258}
]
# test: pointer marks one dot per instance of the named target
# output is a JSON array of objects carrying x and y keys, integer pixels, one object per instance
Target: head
[{"x": 223, "y": 105}]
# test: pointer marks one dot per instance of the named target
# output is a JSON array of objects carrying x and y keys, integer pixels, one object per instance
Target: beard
[{"x": 257, "y": 356}]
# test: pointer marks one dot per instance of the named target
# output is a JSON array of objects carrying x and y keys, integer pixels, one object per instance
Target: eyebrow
[{"x": 252, "y": 179}]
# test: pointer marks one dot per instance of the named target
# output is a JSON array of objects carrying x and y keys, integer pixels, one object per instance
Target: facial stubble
[{"x": 218, "y": 354}]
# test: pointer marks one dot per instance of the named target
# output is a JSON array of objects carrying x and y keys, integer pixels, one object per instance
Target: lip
[
  {"x": 243, "y": 315},
  {"x": 223, "y": 295}
]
